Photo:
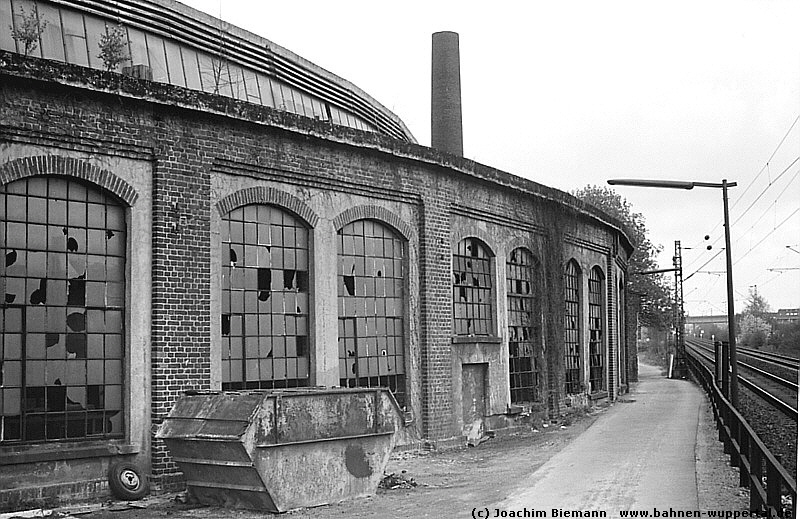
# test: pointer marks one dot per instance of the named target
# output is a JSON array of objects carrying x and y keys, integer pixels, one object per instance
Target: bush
[
  {"x": 28, "y": 30},
  {"x": 753, "y": 331},
  {"x": 114, "y": 47},
  {"x": 787, "y": 337}
]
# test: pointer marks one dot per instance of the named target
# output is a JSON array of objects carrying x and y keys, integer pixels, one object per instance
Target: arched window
[
  {"x": 264, "y": 299},
  {"x": 523, "y": 276},
  {"x": 572, "y": 328},
  {"x": 597, "y": 350},
  {"x": 371, "y": 336},
  {"x": 62, "y": 297},
  {"x": 472, "y": 289}
]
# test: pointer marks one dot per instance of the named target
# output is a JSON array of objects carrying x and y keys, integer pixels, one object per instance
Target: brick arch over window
[
  {"x": 367, "y": 212},
  {"x": 267, "y": 195},
  {"x": 68, "y": 166}
]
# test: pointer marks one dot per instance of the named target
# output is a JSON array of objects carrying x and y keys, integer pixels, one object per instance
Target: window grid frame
[
  {"x": 265, "y": 298},
  {"x": 371, "y": 306},
  {"x": 68, "y": 227},
  {"x": 572, "y": 329},
  {"x": 473, "y": 308},
  {"x": 596, "y": 342},
  {"x": 524, "y": 326}
]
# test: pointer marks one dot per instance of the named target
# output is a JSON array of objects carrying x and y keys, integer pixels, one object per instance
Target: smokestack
[{"x": 446, "y": 94}]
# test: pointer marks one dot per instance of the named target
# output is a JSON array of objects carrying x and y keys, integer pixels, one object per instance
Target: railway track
[{"x": 773, "y": 378}]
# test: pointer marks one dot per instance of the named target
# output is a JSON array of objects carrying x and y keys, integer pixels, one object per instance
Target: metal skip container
[{"x": 279, "y": 450}]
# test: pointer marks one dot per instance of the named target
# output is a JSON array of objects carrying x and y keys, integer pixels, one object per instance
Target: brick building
[{"x": 226, "y": 215}]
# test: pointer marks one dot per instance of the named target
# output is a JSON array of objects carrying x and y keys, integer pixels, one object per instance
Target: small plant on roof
[
  {"x": 28, "y": 29},
  {"x": 113, "y": 47}
]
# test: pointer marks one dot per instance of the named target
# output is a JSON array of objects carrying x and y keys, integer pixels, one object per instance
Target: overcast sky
[{"x": 574, "y": 93}]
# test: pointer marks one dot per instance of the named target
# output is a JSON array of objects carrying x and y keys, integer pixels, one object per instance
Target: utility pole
[
  {"x": 680, "y": 344},
  {"x": 732, "y": 353},
  {"x": 679, "y": 367}
]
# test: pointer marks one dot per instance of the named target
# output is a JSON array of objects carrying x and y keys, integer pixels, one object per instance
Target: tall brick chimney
[{"x": 446, "y": 94}]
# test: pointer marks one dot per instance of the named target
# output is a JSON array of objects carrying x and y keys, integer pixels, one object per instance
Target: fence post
[
  {"x": 734, "y": 435},
  {"x": 773, "y": 488},
  {"x": 717, "y": 363},
  {"x": 726, "y": 373},
  {"x": 756, "y": 470},
  {"x": 744, "y": 457}
]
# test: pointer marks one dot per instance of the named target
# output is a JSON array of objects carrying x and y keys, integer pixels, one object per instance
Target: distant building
[
  {"x": 694, "y": 325},
  {"x": 786, "y": 316}
]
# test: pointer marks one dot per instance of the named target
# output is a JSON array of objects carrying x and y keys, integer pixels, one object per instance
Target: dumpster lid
[{"x": 211, "y": 415}]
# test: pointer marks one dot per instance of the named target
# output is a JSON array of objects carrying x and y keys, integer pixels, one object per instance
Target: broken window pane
[
  {"x": 524, "y": 326},
  {"x": 596, "y": 344},
  {"x": 472, "y": 289},
  {"x": 364, "y": 321},
  {"x": 55, "y": 223},
  {"x": 259, "y": 296},
  {"x": 572, "y": 354}
]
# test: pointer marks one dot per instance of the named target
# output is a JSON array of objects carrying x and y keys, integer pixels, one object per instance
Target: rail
[
  {"x": 772, "y": 358},
  {"x": 769, "y": 398},
  {"x": 767, "y": 480}
]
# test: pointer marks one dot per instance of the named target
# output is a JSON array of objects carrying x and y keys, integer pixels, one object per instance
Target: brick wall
[{"x": 181, "y": 295}]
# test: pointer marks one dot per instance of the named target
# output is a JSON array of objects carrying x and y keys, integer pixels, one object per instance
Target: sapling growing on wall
[
  {"x": 28, "y": 29},
  {"x": 113, "y": 47}
]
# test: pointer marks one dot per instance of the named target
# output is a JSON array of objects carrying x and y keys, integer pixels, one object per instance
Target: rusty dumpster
[{"x": 279, "y": 450}]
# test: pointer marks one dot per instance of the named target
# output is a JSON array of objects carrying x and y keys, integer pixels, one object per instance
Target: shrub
[
  {"x": 28, "y": 30},
  {"x": 113, "y": 47}
]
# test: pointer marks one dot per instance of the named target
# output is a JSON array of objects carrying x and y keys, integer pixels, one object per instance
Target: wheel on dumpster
[{"x": 126, "y": 481}]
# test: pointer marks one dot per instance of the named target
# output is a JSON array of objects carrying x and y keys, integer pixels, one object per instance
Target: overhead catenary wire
[
  {"x": 765, "y": 190},
  {"x": 703, "y": 265},
  {"x": 767, "y": 236},
  {"x": 766, "y": 165},
  {"x": 775, "y": 201},
  {"x": 772, "y": 277},
  {"x": 785, "y": 170},
  {"x": 743, "y": 193}
]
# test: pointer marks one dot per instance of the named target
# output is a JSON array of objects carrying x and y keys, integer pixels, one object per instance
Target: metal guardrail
[{"x": 759, "y": 470}]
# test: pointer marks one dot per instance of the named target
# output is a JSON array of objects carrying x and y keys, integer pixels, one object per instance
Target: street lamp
[{"x": 680, "y": 184}]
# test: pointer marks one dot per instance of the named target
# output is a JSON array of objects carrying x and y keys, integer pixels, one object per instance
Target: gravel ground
[
  {"x": 778, "y": 432},
  {"x": 717, "y": 482}
]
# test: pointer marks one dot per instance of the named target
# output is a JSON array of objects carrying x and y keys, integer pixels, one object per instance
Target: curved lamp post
[{"x": 680, "y": 184}]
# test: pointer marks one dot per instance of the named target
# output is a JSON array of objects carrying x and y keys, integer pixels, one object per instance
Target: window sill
[
  {"x": 59, "y": 452},
  {"x": 477, "y": 339}
]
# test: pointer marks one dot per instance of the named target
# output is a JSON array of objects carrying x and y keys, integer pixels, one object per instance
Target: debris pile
[{"x": 393, "y": 481}]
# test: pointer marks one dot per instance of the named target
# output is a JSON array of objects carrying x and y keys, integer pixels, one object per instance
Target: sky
[{"x": 574, "y": 93}]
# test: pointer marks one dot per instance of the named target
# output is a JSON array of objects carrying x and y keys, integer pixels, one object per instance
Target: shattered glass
[
  {"x": 371, "y": 330},
  {"x": 264, "y": 292},
  {"x": 63, "y": 243}
]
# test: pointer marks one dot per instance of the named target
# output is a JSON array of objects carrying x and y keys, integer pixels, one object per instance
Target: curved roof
[{"x": 182, "y": 46}]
